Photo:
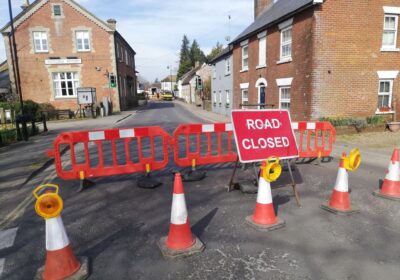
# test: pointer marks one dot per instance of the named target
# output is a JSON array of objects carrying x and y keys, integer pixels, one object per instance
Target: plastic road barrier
[
  {"x": 315, "y": 138},
  {"x": 111, "y": 152},
  {"x": 197, "y": 144}
]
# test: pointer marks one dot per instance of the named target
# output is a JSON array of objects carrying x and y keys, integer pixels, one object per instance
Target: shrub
[{"x": 374, "y": 120}]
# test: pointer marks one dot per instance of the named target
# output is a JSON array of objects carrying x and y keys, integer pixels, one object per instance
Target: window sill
[
  {"x": 377, "y": 112},
  {"x": 390, "y": 49},
  {"x": 261, "y": 66},
  {"x": 82, "y": 51},
  {"x": 41, "y": 51},
  {"x": 227, "y": 74},
  {"x": 284, "y": 60},
  {"x": 65, "y": 97},
  {"x": 244, "y": 70}
]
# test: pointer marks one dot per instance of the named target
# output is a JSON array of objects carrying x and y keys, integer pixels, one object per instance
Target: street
[{"x": 117, "y": 225}]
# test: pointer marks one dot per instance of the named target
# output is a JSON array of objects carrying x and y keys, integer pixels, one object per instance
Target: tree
[
  {"x": 215, "y": 51},
  {"x": 184, "y": 57},
  {"x": 196, "y": 54}
]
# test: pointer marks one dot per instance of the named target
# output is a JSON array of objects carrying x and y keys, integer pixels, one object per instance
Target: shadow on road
[{"x": 201, "y": 225}]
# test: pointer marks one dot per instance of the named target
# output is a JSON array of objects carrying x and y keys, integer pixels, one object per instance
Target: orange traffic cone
[
  {"x": 60, "y": 259},
  {"x": 340, "y": 199},
  {"x": 180, "y": 241},
  {"x": 391, "y": 185},
  {"x": 264, "y": 217}
]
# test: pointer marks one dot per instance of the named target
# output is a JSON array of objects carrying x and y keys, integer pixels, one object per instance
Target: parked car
[{"x": 168, "y": 96}]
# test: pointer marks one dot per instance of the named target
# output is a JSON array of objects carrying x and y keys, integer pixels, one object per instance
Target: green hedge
[{"x": 360, "y": 122}]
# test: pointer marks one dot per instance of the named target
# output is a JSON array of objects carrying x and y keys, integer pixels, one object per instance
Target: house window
[
  {"x": 65, "y": 84},
  {"x": 284, "y": 98},
  {"x": 286, "y": 43},
  {"x": 262, "y": 51},
  {"x": 227, "y": 66},
  {"x": 220, "y": 98},
  {"x": 82, "y": 41},
  {"x": 227, "y": 98},
  {"x": 245, "y": 96},
  {"x": 126, "y": 57},
  {"x": 117, "y": 50},
  {"x": 385, "y": 94},
  {"x": 57, "y": 10},
  {"x": 390, "y": 32},
  {"x": 215, "y": 98},
  {"x": 40, "y": 41},
  {"x": 245, "y": 57}
]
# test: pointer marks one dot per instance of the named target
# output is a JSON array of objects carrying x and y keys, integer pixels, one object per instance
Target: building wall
[
  {"x": 348, "y": 56},
  {"x": 221, "y": 81},
  {"x": 260, "y": 6},
  {"x": 299, "y": 68},
  {"x": 205, "y": 74}
]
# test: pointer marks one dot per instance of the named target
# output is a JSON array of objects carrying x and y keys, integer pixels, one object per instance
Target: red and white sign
[{"x": 263, "y": 133}]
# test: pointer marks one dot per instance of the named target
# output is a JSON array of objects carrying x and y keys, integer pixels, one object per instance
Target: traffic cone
[
  {"x": 180, "y": 241},
  {"x": 340, "y": 199},
  {"x": 264, "y": 217},
  {"x": 391, "y": 185}
]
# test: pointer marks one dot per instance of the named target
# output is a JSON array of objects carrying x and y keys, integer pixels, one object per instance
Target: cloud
[{"x": 154, "y": 28}]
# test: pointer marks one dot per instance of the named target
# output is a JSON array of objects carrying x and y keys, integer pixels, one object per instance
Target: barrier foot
[
  {"x": 195, "y": 249},
  {"x": 193, "y": 175},
  {"x": 146, "y": 182},
  {"x": 279, "y": 224},
  {"x": 81, "y": 274},
  {"x": 84, "y": 184},
  {"x": 377, "y": 193},
  {"x": 248, "y": 187},
  {"x": 325, "y": 206}
]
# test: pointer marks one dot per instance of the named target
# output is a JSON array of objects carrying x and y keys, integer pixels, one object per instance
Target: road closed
[{"x": 263, "y": 133}]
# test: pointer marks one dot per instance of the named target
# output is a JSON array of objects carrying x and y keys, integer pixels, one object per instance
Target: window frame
[
  {"x": 395, "y": 31},
  {"x": 228, "y": 100},
  {"x": 245, "y": 58},
  {"x": 83, "y": 41},
  {"x": 58, "y": 80},
  {"x": 247, "y": 98},
  {"x": 41, "y": 41},
  {"x": 227, "y": 66},
  {"x": 282, "y": 44},
  {"x": 390, "y": 93},
  {"x": 262, "y": 53},
  {"x": 284, "y": 100}
]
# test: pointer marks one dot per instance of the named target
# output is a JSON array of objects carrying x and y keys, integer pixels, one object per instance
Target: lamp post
[{"x": 170, "y": 76}]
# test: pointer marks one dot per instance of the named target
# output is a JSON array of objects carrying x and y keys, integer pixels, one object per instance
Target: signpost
[
  {"x": 261, "y": 134},
  {"x": 87, "y": 97}
]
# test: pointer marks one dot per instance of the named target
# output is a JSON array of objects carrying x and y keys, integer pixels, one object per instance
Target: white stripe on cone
[
  {"x": 178, "y": 211},
  {"x": 264, "y": 195},
  {"x": 56, "y": 237},
  {"x": 393, "y": 171},
  {"x": 342, "y": 180}
]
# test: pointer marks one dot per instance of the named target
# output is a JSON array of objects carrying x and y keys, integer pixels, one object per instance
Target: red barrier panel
[
  {"x": 204, "y": 144},
  {"x": 110, "y": 152},
  {"x": 315, "y": 138}
]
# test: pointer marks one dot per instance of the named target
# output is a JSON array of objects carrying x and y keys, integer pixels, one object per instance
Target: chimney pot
[{"x": 112, "y": 23}]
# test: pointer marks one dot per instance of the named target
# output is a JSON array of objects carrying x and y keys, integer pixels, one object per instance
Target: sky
[{"x": 154, "y": 28}]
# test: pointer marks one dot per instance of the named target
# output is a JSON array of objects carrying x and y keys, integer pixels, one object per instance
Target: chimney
[
  {"x": 112, "y": 23},
  {"x": 261, "y": 5},
  {"x": 25, "y": 4}
]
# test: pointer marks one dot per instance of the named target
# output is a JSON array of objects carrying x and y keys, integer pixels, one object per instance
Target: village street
[{"x": 117, "y": 225}]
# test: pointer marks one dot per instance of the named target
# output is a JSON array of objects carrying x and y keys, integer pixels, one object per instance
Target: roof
[
  {"x": 36, "y": 5},
  {"x": 168, "y": 79},
  {"x": 189, "y": 75},
  {"x": 277, "y": 12},
  {"x": 3, "y": 66},
  {"x": 225, "y": 52}
]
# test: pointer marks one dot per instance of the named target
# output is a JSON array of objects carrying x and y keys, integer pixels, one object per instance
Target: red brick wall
[
  {"x": 299, "y": 68},
  {"x": 35, "y": 75},
  {"x": 260, "y": 6},
  {"x": 348, "y": 38}
]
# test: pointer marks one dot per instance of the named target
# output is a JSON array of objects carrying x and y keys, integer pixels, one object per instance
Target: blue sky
[{"x": 154, "y": 28}]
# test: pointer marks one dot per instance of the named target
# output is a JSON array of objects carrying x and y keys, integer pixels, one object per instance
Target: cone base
[
  {"x": 263, "y": 227},
  {"x": 168, "y": 253},
  {"x": 348, "y": 212},
  {"x": 390, "y": 197},
  {"x": 81, "y": 274}
]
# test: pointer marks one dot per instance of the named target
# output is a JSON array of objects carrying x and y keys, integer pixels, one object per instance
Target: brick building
[
  {"x": 331, "y": 58},
  {"x": 62, "y": 46}
]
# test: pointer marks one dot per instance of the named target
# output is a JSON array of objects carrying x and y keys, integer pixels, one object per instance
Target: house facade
[
  {"x": 222, "y": 83},
  {"x": 61, "y": 47},
  {"x": 169, "y": 83},
  {"x": 187, "y": 83},
  {"x": 304, "y": 56}
]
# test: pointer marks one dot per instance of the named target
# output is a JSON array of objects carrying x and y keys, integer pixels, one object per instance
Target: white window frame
[
  {"x": 262, "y": 50},
  {"x": 227, "y": 66},
  {"x": 77, "y": 40},
  {"x": 53, "y": 10},
  {"x": 390, "y": 94},
  {"x": 228, "y": 101},
  {"x": 395, "y": 31},
  {"x": 215, "y": 98},
  {"x": 58, "y": 86},
  {"x": 220, "y": 98},
  {"x": 284, "y": 100},
  {"x": 243, "y": 98},
  {"x": 42, "y": 39},
  {"x": 286, "y": 58},
  {"x": 245, "y": 58}
]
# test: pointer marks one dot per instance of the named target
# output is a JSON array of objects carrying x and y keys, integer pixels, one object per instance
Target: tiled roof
[
  {"x": 224, "y": 53},
  {"x": 277, "y": 12},
  {"x": 189, "y": 75}
]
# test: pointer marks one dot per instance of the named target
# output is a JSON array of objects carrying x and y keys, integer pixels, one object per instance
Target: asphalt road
[{"x": 117, "y": 225}]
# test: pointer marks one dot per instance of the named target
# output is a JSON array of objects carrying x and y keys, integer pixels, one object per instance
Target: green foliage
[
  {"x": 196, "y": 54},
  {"x": 215, "y": 51},
  {"x": 374, "y": 120},
  {"x": 189, "y": 55},
  {"x": 207, "y": 89}
]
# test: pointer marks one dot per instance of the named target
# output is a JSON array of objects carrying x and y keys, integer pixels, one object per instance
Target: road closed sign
[{"x": 261, "y": 134}]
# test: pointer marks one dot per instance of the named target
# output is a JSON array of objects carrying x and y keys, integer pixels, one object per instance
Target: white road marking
[
  {"x": 7, "y": 237},
  {"x": 1, "y": 266}
]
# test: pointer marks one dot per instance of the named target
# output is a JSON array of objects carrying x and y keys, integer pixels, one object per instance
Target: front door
[{"x": 262, "y": 97}]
